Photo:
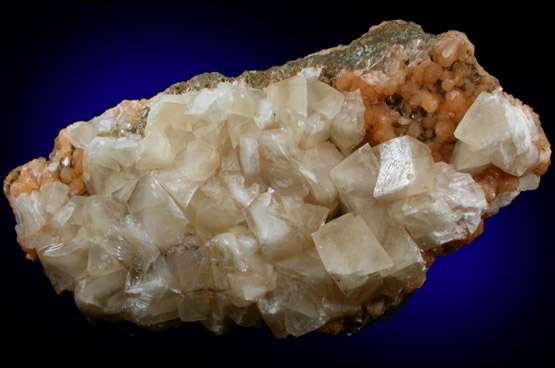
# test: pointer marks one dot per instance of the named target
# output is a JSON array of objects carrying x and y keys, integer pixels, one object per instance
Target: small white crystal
[
  {"x": 465, "y": 160},
  {"x": 141, "y": 244},
  {"x": 406, "y": 256},
  {"x": 171, "y": 113},
  {"x": 154, "y": 152},
  {"x": 104, "y": 123},
  {"x": 234, "y": 100},
  {"x": 323, "y": 99},
  {"x": 177, "y": 185},
  {"x": 101, "y": 212},
  {"x": 280, "y": 160},
  {"x": 306, "y": 108},
  {"x": 315, "y": 166},
  {"x": 237, "y": 187},
  {"x": 198, "y": 161},
  {"x": 103, "y": 294},
  {"x": 157, "y": 212},
  {"x": 528, "y": 182},
  {"x": 306, "y": 268},
  {"x": 239, "y": 265},
  {"x": 214, "y": 216},
  {"x": 290, "y": 94},
  {"x": 111, "y": 153},
  {"x": 347, "y": 127},
  {"x": 249, "y": 157},
  {"x": 239, "y": 127},
  {"x": 65, "y": 263},
  {"x": 152, "y": 296},
  {"x": 191, "y": 265},
  {"x": 355, "y": 178},
  {"x": 80, "y": 134},
  {"x": 315, "y": 130},
  {"x": 283, "y": 224},
  {"x": 265, "y": 111}
]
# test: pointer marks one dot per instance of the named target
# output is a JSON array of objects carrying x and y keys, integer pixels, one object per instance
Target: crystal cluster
[{"x": 281, "y": 205}]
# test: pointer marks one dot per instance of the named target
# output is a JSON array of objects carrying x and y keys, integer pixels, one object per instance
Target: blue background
[{"x": 490, "y": 302}]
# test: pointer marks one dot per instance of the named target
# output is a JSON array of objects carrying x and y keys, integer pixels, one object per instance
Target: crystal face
[{"x": 307, "y": 198}]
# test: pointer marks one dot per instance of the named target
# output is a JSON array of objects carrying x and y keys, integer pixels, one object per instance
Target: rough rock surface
[{"x": 310, "y": 196}]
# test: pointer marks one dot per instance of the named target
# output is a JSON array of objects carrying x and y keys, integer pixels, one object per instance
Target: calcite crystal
[{"x": 313, "y": 196}]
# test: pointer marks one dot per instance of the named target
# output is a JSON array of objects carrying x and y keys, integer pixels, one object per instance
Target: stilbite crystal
[{"x": 311, "y": 196}]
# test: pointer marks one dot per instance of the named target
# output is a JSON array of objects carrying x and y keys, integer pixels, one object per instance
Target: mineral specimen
[{"x": 309, "y": 197}]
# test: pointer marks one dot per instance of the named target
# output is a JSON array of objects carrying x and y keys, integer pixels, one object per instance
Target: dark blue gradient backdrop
[{"x": 490, "y": 302}]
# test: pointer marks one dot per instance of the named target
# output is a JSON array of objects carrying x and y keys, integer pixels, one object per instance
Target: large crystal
[
  {"x": 312, "y": 196},
  {"x": 350, "y": 252},
  {"x": 405, "y": 166},
  {"x": 452, "y": 210},
  {"x": 498, "y": 128}
]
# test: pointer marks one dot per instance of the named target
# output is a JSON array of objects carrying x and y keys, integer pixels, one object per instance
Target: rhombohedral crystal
[{"x": 313, "y": 196}]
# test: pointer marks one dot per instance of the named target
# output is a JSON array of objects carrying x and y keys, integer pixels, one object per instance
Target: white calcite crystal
[
  {"x": 405, "y": 166},
  {"x": 451, "y": 210},
  {"x": 351, "y": 253},
  {"x": 297, "y": 205},
  {"x": 497, "y": 130}
]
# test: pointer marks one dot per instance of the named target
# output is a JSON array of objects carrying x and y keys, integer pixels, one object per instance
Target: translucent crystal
[
  {"x": 214, "y": 216},
  {"x": 347, "y": 127},
  {"x": 65, "y": 263},
  {"x": 143, "y": 249},
  {"x": 198, "y": 161},
  {"x": 191, "y": 265},
  {"x": 80, "y": 134},
  {"x": 102, "y": 295},
  {"x": 239, "y": 266},
  {"x": 157, "y": 212},
  {"x": 195, "y": 306},
  {"x": 290, "y": 94},
  {"x": 355, "y": 178},
  {"x": 177, "y": 185},
  {"x": 407, "y": 259},
  {"x": 323, "y": 99},
  {"x": 234, "y": 100},
  {"x": 405, "y": 164},
  {"x": 280, "y": 160},
  {"x": 241, "y": 191},
  {"x": 307, "y": 108},
  {"x": 33, "y": 211},
  {"x": 452, "y": 210},
  {"x": 465, "y": 160},
  {"x": 315, "y": 166},
  {"x": 170, "y": 112},
  {"x": 155, "y": 152},
  {"x": 111, "y": 153},
  {"x": 307, "y": 269},
  {"x": 501, "y": 130},
  {"x": 350, "y": 252},
  {"x": 291, "y": 308},
  {"x": 152, "y": 296},
  {"x": 283, "y": 224}
]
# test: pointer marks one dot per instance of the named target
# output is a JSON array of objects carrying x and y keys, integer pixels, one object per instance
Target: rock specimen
[{"x": 309, "y": 197}]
